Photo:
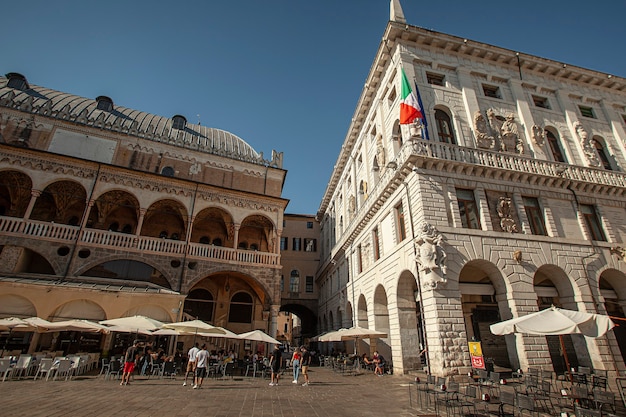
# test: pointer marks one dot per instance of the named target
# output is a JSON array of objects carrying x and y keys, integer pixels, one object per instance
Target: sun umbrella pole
[{"x": 571, "y": 377}]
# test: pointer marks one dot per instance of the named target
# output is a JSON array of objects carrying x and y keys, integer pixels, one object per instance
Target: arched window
[
  {"x": 114, "y": 227},
  {"x": 200, "y": 303},
  {"x": 179, "y": 122},
  {"x": 205, "y": 240},
  {"x": 167, "y": 171},
  {"x": 555, "y": 146},
  {"x": 444, "y": 127},
  {"x": 240, "y": 310},
  {"x": 602, "y": 153},
  {"x": 243, "y": 245},
  {"x": 217, "y": 241},
  {"x": 104, "y": 103},
  {"x": 294, "y": 281}
]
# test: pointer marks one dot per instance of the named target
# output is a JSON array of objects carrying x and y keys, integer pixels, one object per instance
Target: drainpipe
[
  {"x": 189, "y": 228},
  {"x": 82, "y": 226}
]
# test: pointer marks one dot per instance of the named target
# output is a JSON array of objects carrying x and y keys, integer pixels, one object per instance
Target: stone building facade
[
  {"x": 511, "y": 199},
  {"x": 101, "y": 203}
]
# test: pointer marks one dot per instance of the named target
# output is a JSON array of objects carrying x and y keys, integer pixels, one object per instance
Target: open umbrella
[
  {"x": 227, "y": 334},
  {"x": 258, "y": 336},
  {"x": 135, "y": 322},
  {"x": 356, "y": 332},
  {"x": 78, "y": 326},
  {"x": 127, "y": 329},
  {"x": 556, "y": 321},
  {"x": 194, "y": 326}
]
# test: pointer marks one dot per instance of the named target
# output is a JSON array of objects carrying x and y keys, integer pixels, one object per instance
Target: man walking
[
  {"x": 202, "y": 361},
  {"x": 306, "y": 362},
  {"x": 191, "y": 363},
  {"x": 275, "y": 362},
  {"x": 129, "y": 362}
]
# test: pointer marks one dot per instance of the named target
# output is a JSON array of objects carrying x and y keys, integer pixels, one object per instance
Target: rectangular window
[
  {"x": 284, "y": 243},
  {"x": 310, "y": 245},
  {"x": 401, "y": 226},
  {"x": 587, "y": 112},
  {"x": 436, "y": 79},
  {"x": 309, "y": 283},
  {"x": 468, "y": 209},
  {"x": 294, "y": 284},
  {"x": 624, "y": 118},
  {"x": 593, "y": 222},
  {"x": 309, "y": 225},
  {"x": 376, "y": 244},
  {"x": 535, "y": 216},
  {"x": 541, "y": 102},
  {"x": 297, "y": 244},
  {"x": 282, "y": 283},
  {"x": 491, "y": 91},
  {"x": 359, "y": 255},
  {"x": 286, "y": 328}
]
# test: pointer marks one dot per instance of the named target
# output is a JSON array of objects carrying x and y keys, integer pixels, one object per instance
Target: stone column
[
  {"x": 34, "y": 194},
  {"x": 274, "y": 309},
  {"x": 142, "y": 216},
  {"x": 470, "y": 100},
  {"x": 236, "y": 227}
]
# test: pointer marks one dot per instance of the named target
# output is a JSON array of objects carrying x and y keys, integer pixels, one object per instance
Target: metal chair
[
  {"x": 602, "y": 398},
  {"x": 21, "y": 367},
  {"x": 62, "y": 367},
  {"x": 168, "y": 369},
  {"x": 586, "y": 412},
  {"x": 525, "y": 403},
  {"x": 5, "y": 368},
  {"x": 104, "y": 367},
  {"x": 45, "y": 364},
  {"x": 115, "y": 369}
]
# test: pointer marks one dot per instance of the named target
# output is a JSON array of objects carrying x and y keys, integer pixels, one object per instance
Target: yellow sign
[{"x": 475, "y": 349}]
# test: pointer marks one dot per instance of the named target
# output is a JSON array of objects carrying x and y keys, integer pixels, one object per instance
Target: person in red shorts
[{"x": 129, "y": 362}]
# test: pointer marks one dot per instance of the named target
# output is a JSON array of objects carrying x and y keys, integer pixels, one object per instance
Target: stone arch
[
  {"x": 410, "y": 321},
  {"x": 339, "y": 316},
  {"x": 30, "y": 261},
  {"x": 604, "y": 152},
  {"x": 331, "y": 321},
  {"x": 213, "y": 225},
  {"x": 222, "y": 285},
  {"x": 115, "y": 206},
  {"x": 485, "y": 301},
  {"x": 60, "y": 202},
  {"x": 554, "y": 287},
  {"x": 612, "y": 289},
  {"x": 257, "y": 230},
  {"x": 308, "y": 320},
  {"x": 78, "y": 309},
  {"x": 108, "y": 266},
  {"x": 15, "y": 193},
  {"x": 166, "y": 219},
  {"x": 349, "y": 315},
  {"x": 13, "y": 305},
  {"x": 362, "y": 319},
  {"x": 381, "y": 320}
]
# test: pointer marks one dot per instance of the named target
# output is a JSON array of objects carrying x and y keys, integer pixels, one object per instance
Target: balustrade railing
[{"x": 132, "y": 243}]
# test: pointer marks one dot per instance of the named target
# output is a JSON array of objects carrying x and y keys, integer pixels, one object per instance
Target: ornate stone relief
[
  {"x": 483, "y": 139},
  {"x": 431, "y": 256},
  {"x": 585, "y": 142},
  {"x": 539, "y": 135},
  {"x": 507, "y": 223},
  {"x": 509, "y": 136},
  {"x": 620, "y": 252}
]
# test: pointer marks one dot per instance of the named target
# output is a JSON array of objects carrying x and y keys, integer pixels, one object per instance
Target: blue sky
[{"x": 280, "y": 74}]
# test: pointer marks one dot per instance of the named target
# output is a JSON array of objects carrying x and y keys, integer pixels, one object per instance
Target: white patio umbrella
[
  {"x": 127, "y": 329},
  {"x": 556, "y": 321},
  {"x": 167, "y": 332},
  {"x": 194, "y": 326},
  {"x": 356, "y": 332},
  {"x": 258, "y": 336},
  {"x": 227, "y": 334},
  {"x": 135, "y": 322},
  {"x": 332, "y": 336},
  {"x": 78, "y": 326},
  {"x": 16, "y": 324}
]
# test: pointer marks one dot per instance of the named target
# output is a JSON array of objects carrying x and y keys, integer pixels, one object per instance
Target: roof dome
[{"x": 55, "y": 104}]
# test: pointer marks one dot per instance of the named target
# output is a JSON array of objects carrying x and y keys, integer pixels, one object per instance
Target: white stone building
[{"x": 515, "y": 203}]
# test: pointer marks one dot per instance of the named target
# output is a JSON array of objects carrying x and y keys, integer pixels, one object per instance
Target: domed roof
[{"x": 102, "y": 113}]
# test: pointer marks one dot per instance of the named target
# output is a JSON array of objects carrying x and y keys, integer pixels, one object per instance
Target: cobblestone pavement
[{"x": 330, "y": 394}]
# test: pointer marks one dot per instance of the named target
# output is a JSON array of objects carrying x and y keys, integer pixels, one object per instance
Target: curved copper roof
[{"x": 51, "y": 103}]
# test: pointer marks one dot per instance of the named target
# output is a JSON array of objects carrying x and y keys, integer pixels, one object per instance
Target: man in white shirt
[
  {"x": 191, "y": 362},
  {"x": 202, "y": 361}
]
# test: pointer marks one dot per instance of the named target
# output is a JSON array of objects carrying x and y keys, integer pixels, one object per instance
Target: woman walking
[{"x": 295, "y": 363}]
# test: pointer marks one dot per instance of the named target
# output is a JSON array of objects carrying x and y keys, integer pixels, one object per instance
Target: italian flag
[{"x": 409, "y": 106}]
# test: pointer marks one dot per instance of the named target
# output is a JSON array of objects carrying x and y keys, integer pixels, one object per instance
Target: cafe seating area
[
  {"x": 46, "y": 365},
  {"x": 536, "y": 392}
]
